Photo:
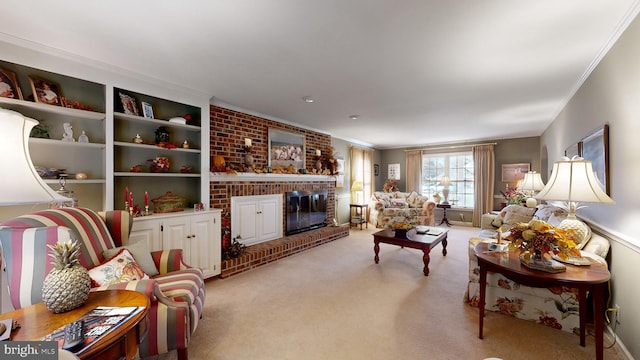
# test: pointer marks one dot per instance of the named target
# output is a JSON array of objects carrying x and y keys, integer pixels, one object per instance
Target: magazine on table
[{"x": 97, "y": 322}]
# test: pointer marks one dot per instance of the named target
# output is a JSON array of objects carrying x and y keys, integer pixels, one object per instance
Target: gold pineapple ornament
[{"x": 68, "y": 284}]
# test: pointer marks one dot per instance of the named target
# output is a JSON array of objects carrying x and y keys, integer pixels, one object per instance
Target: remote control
[{"x": 73, "y": 335}]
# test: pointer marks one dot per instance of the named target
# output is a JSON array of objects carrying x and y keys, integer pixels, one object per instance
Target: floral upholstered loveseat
[
  {"x": 554, "y": 307},
  {"x": 396, "y": 207}
]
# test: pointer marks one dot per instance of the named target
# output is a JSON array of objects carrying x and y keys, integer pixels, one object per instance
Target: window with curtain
[
  {"x": 458, "y": 166},
  {"x": 362, "y": 170}
]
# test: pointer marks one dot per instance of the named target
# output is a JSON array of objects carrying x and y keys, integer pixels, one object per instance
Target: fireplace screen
[{"x": 306, "y": 210}]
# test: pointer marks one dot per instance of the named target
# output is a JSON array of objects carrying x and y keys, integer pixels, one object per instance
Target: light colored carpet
[{"x": 334, "y": 302}]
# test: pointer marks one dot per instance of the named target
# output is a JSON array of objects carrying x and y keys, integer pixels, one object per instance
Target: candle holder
[
  {"x": 318, "y": 163},
  {"x": 146, "y": 210},
  {"x": 248, "y": 158}
]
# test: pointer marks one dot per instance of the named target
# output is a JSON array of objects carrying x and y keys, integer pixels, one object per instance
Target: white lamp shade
[
  {"x": 574, "y": 181},
  {"x": 445, "y": 181},
  {"x": 21, "y": 183},
  {"x": 531, "y": 182},
  {"x": 357, "y": 186}
]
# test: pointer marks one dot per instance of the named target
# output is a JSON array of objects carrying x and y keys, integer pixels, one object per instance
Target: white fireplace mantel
[{"x": 269, "y": 177}]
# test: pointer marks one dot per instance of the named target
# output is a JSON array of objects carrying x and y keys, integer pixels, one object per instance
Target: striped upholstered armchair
[{"x": 176, "y": 292}]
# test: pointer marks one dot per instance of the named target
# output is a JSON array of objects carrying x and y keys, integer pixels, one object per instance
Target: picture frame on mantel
[
  {"x": 512, "y": 173},
  {"x": 286, "y": 149}
]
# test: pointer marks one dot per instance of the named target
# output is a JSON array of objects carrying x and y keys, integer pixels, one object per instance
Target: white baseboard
[{"x": 619, "y": 346}]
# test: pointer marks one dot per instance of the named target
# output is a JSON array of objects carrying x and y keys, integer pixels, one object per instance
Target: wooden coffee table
[
  {"x": 412, "y": 240},
  {"x": 592, "y": 279}
]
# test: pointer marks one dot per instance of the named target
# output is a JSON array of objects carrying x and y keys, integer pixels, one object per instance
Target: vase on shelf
[
  {"x": 160, "y": 164},
  {"x": 248, "y": 159}
]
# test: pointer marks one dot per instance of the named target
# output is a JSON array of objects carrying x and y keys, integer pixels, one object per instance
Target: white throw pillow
[
  {"x": 514, "y": 214},
  {"x": 120, "y": 268}
]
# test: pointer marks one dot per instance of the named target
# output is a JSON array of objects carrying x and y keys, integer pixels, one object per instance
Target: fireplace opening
[{"x": 305, "y": 210}]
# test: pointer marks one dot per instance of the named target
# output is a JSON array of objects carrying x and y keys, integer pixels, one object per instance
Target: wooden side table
[
  {"x": 36, "y": 321},
  {"x": 444, "y": 208},
  {"x": 591, "y": 279},
  {"x": 360, "y": 215}
]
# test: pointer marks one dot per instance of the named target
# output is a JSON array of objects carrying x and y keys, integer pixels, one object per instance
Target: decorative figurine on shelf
[
  {"x": 162, "y": 135},
  {"x": 185, "y": 145},
  {"x": 83, "y": 138},
  {"x": 138, "y": 139},
  {"x": 68, "y": 132}
]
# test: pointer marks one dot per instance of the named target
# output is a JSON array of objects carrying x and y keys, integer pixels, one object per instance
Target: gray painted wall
[
  {"x": 507, "y": 151},
  {"x": 611, "y": 95}
]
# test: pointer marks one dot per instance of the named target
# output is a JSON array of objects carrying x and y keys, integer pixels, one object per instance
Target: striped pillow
[{"x": 24, "y": 253}]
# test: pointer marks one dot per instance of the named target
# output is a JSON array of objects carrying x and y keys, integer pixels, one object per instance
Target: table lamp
[
  {"x": 445, "y": 182},
  {"x": 357, "y": 188},
  {"x": 22, "y": 185},
  {"x": 531, "y": 183},
  {"x": 573, "y": 182}
]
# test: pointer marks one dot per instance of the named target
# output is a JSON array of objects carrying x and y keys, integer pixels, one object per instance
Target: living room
[{"x": 607, "y": 95}]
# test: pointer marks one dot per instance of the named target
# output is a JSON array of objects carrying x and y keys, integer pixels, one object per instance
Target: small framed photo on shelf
[
  {"x": 9, "y": 87},
  {"x": 129, "y": 104},
  {"x": 45, "y": 91},
  {"x": 147, "y": 110}
]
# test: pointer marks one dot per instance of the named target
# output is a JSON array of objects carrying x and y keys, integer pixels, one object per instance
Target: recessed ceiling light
[
  {"x": 354, "y": 117},
  {"x": 308, "y": 99}
]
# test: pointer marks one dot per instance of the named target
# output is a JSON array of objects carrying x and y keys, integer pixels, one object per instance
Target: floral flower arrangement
[
  {"x": 514, "y": 196},
  {"x": 390, "y": 185},
  {"x": 537, "y": 237}
]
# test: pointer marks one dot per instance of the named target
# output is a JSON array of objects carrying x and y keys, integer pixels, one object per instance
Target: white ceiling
[{"x": 417, "y": 72}]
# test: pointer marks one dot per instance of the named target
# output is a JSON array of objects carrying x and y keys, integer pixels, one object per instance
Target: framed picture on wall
[
  {"x": 286, "y": 149},
  {"x": 595, "y": 148},
  {"x": 511, "y": 173},
  {"x": 376, "y": 169},
  {"x": 340, "y": 173},
  {"x": 394, "y": 171}
]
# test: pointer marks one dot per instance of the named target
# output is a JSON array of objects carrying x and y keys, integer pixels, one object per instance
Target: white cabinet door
[
  {"x": 174, "y": 234},
  {"x": 198, "y": 246},
  {"x": 271, "y": 227},
  {"x": 256, "y": 218},
  {"x": 246, "y": 222},
  {"x": 147, "y": 230},
  {"x": 196, "y": 233},
  {"x": 215, "y": 245}
]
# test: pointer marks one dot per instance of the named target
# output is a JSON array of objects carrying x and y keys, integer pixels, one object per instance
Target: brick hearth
[{"x": 264, "y": 253}]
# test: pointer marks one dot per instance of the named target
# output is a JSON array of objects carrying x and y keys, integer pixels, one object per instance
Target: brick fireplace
[
  {"x": 223, "y": 187},
  {"x": 229, "y": 128}
]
